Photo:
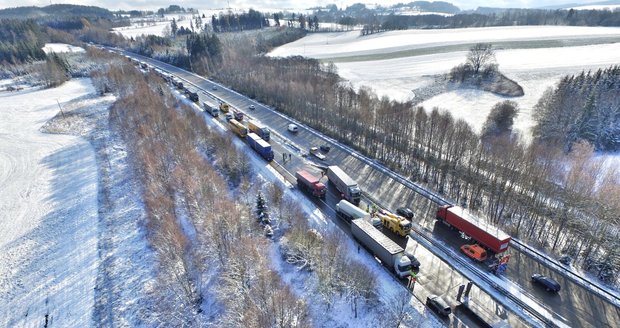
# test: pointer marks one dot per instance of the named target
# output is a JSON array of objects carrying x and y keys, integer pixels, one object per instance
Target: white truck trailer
[
  {"x": 347, "y": 187},
  {"x": 386, "y": 250}
]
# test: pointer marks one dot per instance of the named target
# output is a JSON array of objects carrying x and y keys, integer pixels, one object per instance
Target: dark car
[
  {"x": 438, "y": 304},
  {"x": 548, "y": 283},
  {"x": 404, "y": 211},
  {"x": 325, "y": 148}
]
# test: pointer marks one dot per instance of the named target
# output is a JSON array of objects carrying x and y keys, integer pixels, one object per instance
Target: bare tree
[
  {"x": 480, "y": 55},
  {"x": 398, "y": 311}
]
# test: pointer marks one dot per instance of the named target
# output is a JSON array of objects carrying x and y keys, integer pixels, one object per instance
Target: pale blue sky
[{"x": 271, "y": 4}]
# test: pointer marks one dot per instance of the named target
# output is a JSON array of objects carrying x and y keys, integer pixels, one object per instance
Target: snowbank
[{"x": 61, "y": 47}]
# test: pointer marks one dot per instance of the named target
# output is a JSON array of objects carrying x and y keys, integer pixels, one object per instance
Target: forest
[
  {"x": 359, "y": 14},
  {"x": 584, "y": 107},
  {"x": 20, "y": 41},
  {"x": 56, "y": 11}
]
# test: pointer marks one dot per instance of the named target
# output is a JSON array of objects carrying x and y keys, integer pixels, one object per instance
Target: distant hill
[
  {"x": 430, "y": 6},
  {"x": 60, "y": 10},
  {"x": 571, "y": 5}
]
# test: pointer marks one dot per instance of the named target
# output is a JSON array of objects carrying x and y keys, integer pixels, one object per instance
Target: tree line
[
  {"x": 359, "y": 14},
  {"x": 20, "y": 41},
  {"x": 229, "y": 22},
  {"x": 581, "y": 107}
]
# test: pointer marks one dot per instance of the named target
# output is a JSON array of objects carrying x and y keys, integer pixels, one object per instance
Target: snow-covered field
[
  {"x": 61, "y": 47},
  {"x": 535, "y": 69},
  {"x": 596, "y": 7},
  {"x": 154, "y": 26},
  {"x": 48, "y": 214},
  {"x": 343, "y": 44}
]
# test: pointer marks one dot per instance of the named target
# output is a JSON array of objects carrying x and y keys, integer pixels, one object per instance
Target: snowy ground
[
  {"x": 61, "y": 47},
  {"x": 154, "y": 25},
  {"x": 535, "y": 69},
  {"x": 48, "y": 214},
  {"x": 341, "y": 44},
  {"x": 597, "y": 7},
  {"x": 72, "y": 242}
]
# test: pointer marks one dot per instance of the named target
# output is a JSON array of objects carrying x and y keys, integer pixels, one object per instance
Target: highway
[{"x": 574, "y": 306}]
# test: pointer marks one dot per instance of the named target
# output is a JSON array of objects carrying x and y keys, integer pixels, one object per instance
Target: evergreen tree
[
  {"x": 276, "y": 18},
  {"x": 174, "y": 27},
  {"x": 262, "y": 213}
]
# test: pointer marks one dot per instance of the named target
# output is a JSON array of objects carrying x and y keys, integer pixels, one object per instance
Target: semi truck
[
  {"x": 387, "y": 251},
  {"x": 397, "y": 224},
  {"x": 350, "y": 212},
  {"x": 347, "y": 187},
  {"x": 259, "y": 129},
  {"x": 211, "y": 108},
  {"x": 238, "y": 128},
  {"x": 485, "y": 234},
  {"x": 260, "y": 146},
  {"x": 310, "y": 184}
]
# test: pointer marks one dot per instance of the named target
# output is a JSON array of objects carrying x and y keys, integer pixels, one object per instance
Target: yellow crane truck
[
  {"x": 397, "y": 224},
  {"x": 224, "y": 107}
]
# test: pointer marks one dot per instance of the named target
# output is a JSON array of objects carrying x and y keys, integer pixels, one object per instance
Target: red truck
[
  {"x": 485, "y": 234},
  {"x": 310, "y": 183}
]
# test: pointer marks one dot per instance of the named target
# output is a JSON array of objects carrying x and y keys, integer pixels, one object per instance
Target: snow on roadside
[
  {"x": 48, "y": 214},
  {"x": 61, "y": 47}
]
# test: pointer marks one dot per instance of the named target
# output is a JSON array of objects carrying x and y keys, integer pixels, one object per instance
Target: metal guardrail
[{"x": 551, "y": 263}]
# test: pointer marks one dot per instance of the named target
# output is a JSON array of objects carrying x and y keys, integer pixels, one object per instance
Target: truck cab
[
  {"x": 403, "y": 267},
  {"x": 356, "y": 194}
]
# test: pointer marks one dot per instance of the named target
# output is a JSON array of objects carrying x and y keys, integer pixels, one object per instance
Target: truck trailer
[
  {"x": 310, "y": 184},
  {"x": 259, "y": 129},
  {"x": 485, "y": 234},
  {"x": 350, "y": 212},
  {"x": 260, "y": 146},
  {"x": 238, "y": 128},
  {"x": 347, "y": 187},
  {"x": 211, "y": 108},
  {"x": 386, "y": 250}
]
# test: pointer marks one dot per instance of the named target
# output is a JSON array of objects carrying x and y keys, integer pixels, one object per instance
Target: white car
[{"x": 293, "y": 128}]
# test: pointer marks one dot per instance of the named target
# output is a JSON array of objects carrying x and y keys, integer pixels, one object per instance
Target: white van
[{"x": 293, "y": 128}]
